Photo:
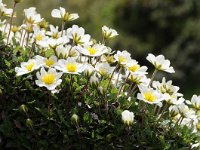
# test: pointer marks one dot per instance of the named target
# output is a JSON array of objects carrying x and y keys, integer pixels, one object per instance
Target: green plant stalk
[
  {"x": 54, "y": 49},
  {"x": 118, "y": 77},
  {"x": 164, "y": 109},
  {"x": 49, "y": 103},
  {"x": 120, "y": 90},
  {"x": 178, "y": 121},
  {"x": 27, "y": 39},
  {"x": 181, "y": 120},
  {"x": 73, "y": 44},
  {"x": 103, "y": 40},
  {"x": 63, "y": 26},
  {"x": 111, "y": 78},
  {"x": 69, "y": 91},
  {"x": 70, "y": 84},
  {"x": 132, "y": 90},
  {"x": 31, "y": 50},
  {"x": 106, "y": 97},
  {"x": 162, "y": 113},
  {"x": 23, "y": 39},
  {"x": 21, "y": 31},
  {"x": 153, "y": 76},
  {"x": 11, "y": 19}
]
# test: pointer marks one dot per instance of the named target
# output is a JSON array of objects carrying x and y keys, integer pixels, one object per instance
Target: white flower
[
  {"x": 61, "y": 13},
  {"x": 108, "y": 32},
  {"x": 48, "y": 62},
  {"x": 32, "y": 17},
  {"x": 2, "y": 5},
  {"x": 54, "y": 32},
  {"x": 123, "y": 57},
  {"x": 50, "y": 79},
  {"x": 160, "y": 63},
  {"x": 77, "y": 34},
  {"x": 150, "y": 95},
  {"x": 63, "y": 50},
  {"x": 104, "y": 69},
  {"x": 186, "y": 112},
  {"x": 7, "y": 12},
  {"x": 139, "y": 79},
  {"x": 30, "y": 11},
  {"x": 196, "y": 145},
  {"x": 39, "y": 37},
  {"x": 127, "y": 117},
  {"x": 135, "y": 68},
  {"x": 27, "y": 67},
  {"x": 169, "y": 89},
  {"x": 190, "y": 123},
  {"x": 53, "y": 43},
  {"x": 93, "y": 51},
  {"x": 195, "y": 102},
  {"x": 70, "y": 66}
]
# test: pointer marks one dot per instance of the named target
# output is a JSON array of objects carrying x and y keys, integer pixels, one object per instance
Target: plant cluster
[{"x": 68, "y": 86}]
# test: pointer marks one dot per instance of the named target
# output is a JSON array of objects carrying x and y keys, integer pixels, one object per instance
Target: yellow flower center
[
  {"x": 71, "y": 67},
  {"x": 134, "y": 68},
  {"x": 39, "y": 37},
  {"x": 66, "y": 16},
  {"x": 122, "y": 59},
  {"x": 49, "y": 62},
  {"x": 29, "y": 67},
  {"x": 92, "y": 51},
  {"x": 48, "y": 78},
  {"x": 102, "y": 71},
  {"x": 149, "y": 97},
  {"x": 77, "y": 39}
]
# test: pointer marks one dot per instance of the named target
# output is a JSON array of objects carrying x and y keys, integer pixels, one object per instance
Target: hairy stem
[{"x": 11, "y": 19}]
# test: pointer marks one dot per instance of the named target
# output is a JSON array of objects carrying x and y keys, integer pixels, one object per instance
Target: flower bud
[
  {"x": 173, "y": 111},
  {"x": 94, "y": 81},
  {"x": 29, "y": 123},
  {"x": 23, "y": 108},
  {"x": 101, "y": 90},
  {"x": 108, "y": 32},
  {"x": 44, "y": 24},
  {"x": 75, "y": 119},
  {"x": 89, "y": 69},
  {"x": 127, "y": 117},
  {"x": 15, "y": 29},
  {"x": 110, "y": 59}
]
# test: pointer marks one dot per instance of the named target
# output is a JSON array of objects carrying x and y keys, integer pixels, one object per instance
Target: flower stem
[
  {"x": 49, "y": 103},
  {"x": 111, "y": 78},
  {"x": 63, "y": 26},
  {"x": 106, "y": 97},
  {"x": 120, "y": 90},
  {"x": 103, "y": 41},
  {"x": 132, "y": 90},
  {"x": 11, "y": 19},
  {"x": 27, "y": 39},
  {"x": 153, "y": 76}
]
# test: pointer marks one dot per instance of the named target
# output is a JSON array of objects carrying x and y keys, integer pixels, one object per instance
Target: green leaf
[{"x": 49, "y": 53}]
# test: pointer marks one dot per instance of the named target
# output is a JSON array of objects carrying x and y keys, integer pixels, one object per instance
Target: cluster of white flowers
[{"x": 76, "y": 53}]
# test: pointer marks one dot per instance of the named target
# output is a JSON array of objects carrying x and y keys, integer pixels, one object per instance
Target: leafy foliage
[
  {"x": 79, "y": 114},
  {"x": 25, "y": 123}
]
